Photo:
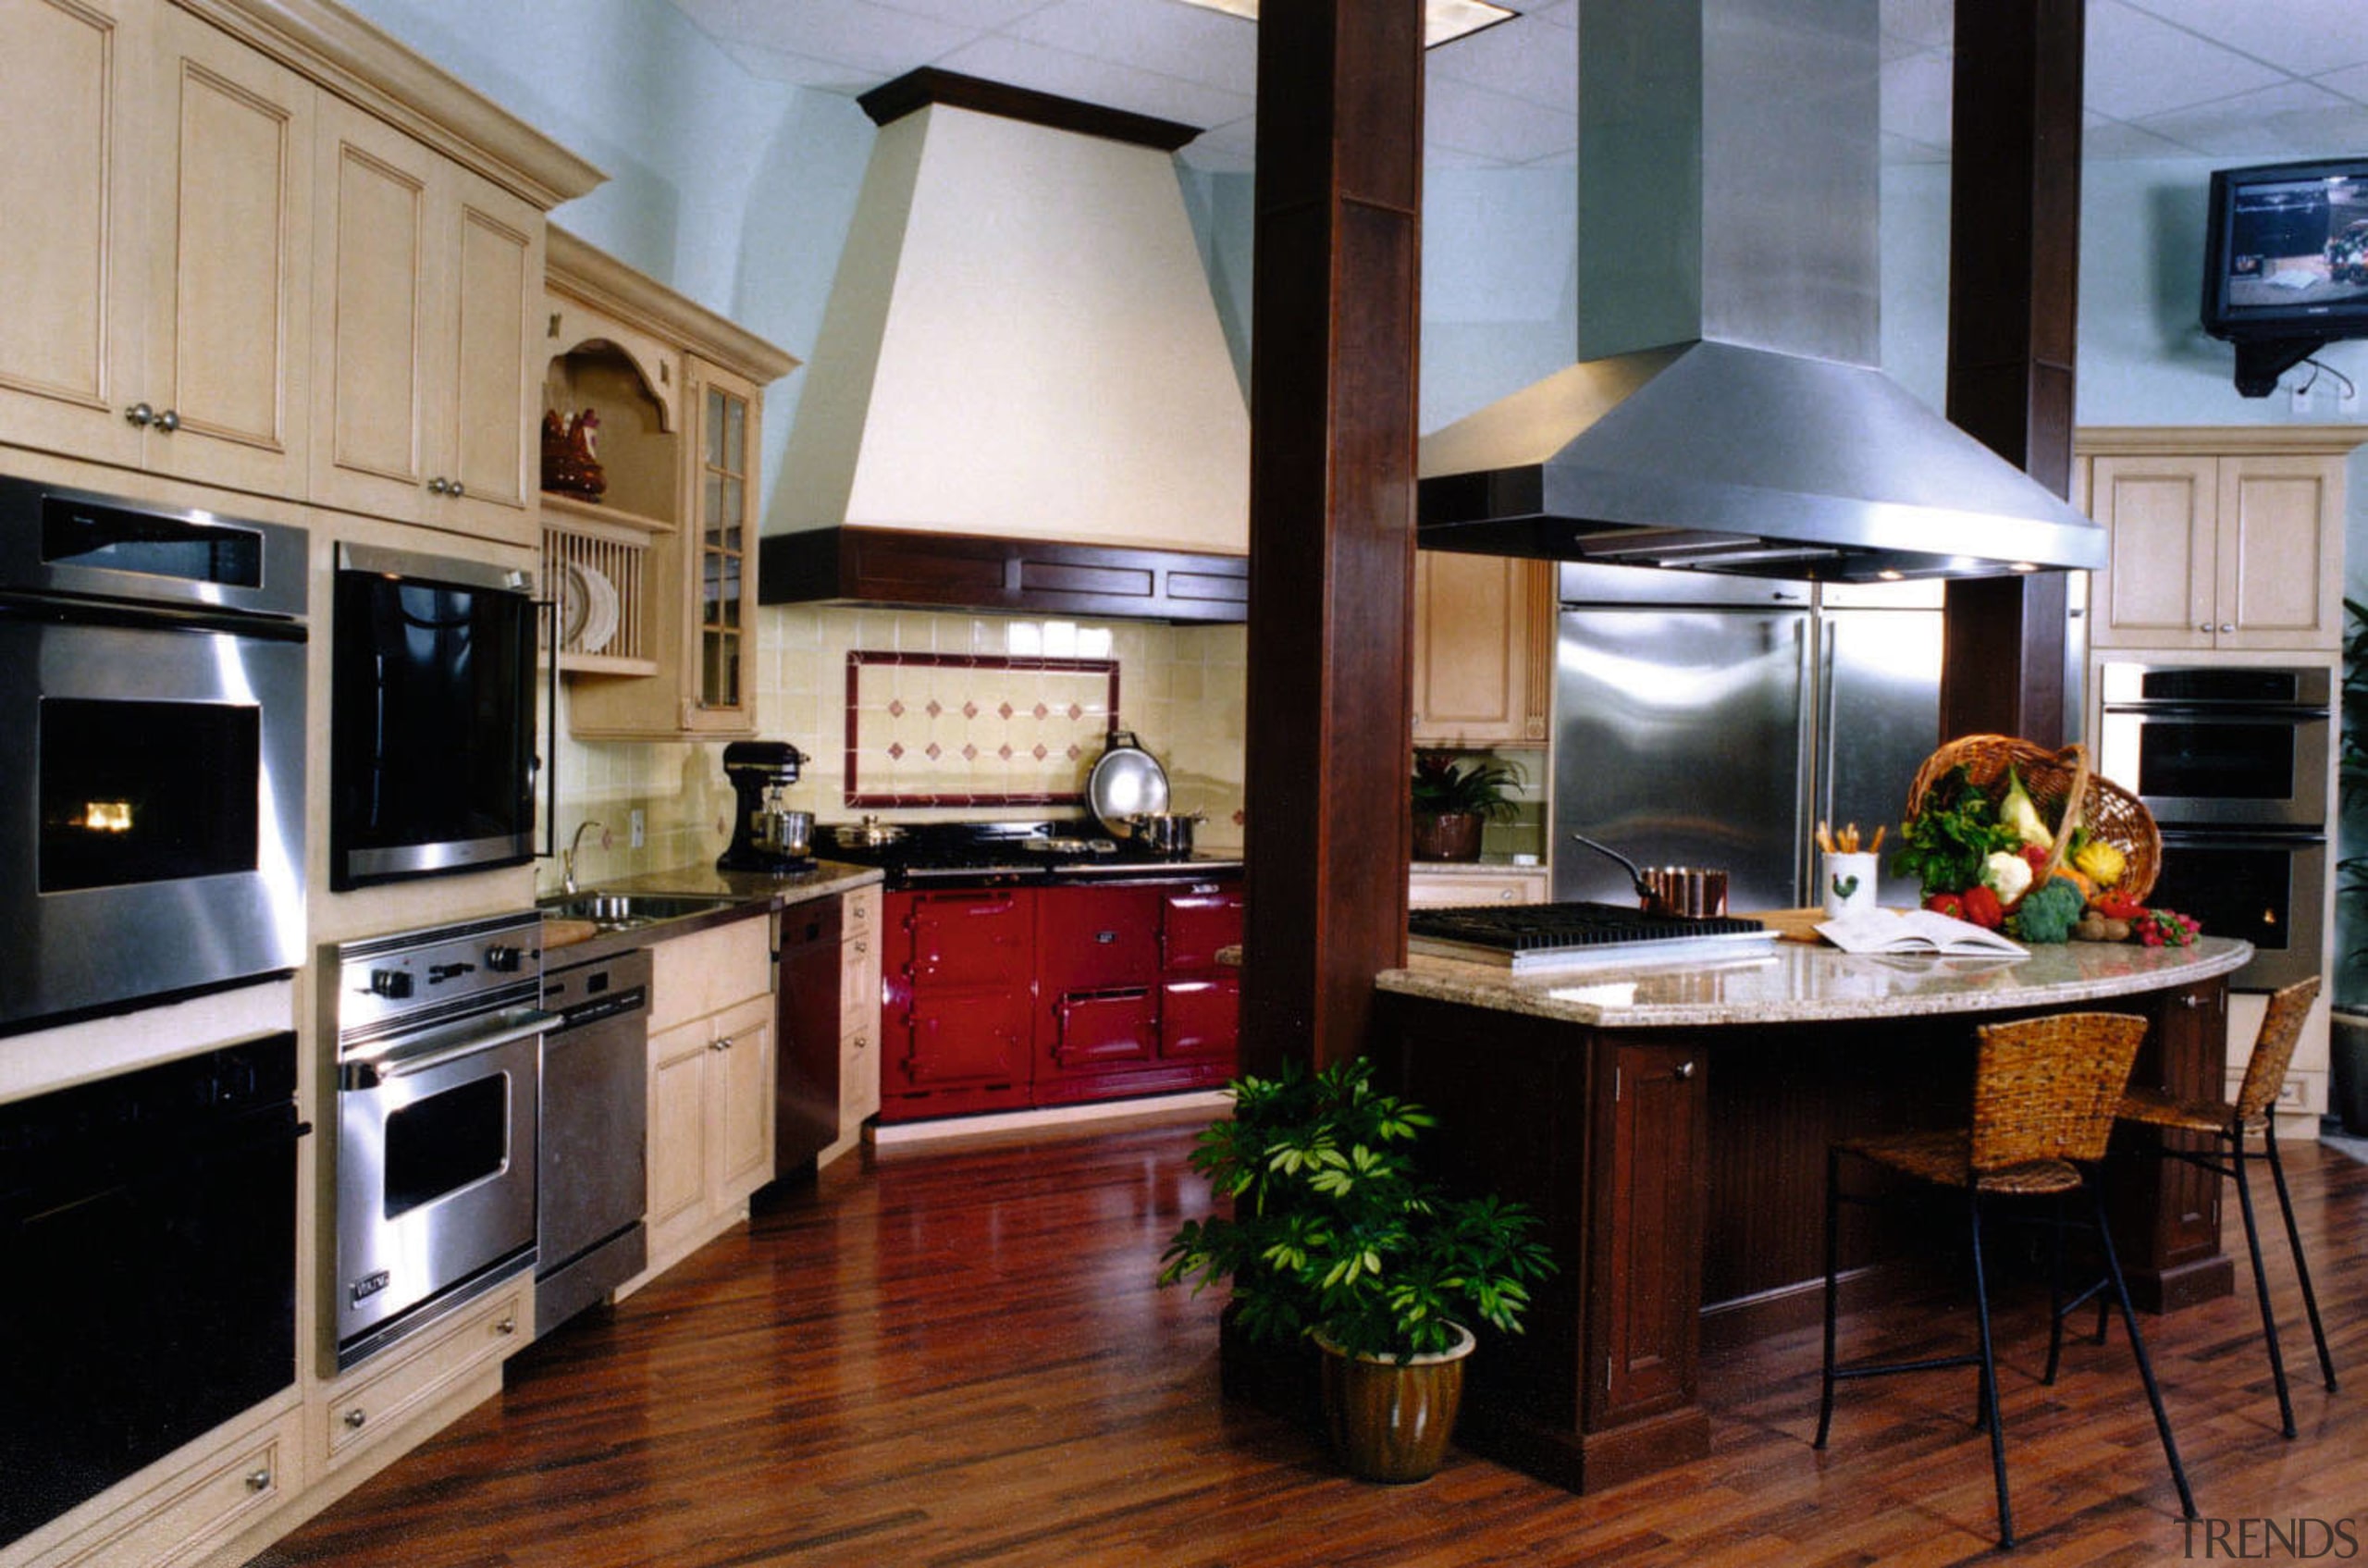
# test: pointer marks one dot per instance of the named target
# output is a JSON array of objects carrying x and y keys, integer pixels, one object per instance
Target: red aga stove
[{"x": 1042, "y": 964}]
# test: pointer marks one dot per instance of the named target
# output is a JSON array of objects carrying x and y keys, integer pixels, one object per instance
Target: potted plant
[
  {"x": 1453, "y": 801},
  {"x": 1335, "y": 1238}
]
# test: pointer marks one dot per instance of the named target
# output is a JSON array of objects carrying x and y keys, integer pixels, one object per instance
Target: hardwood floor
[{"x": 958, "y": 1357}]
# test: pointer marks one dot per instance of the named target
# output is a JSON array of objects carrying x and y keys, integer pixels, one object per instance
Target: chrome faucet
[{"x": 567, "y": 856}]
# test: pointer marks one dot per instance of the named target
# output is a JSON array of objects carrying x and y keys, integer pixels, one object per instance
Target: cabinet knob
[
  {"x": 436, "y": 485},
  {"x": 357, "y": 1418},
  {"x": 1504, "y": 896},
  {"x": 141, "y": 415},
  {"x": 259, "y": 1480},
  {"x": 862, "y": 948},
  {"x": 2191, "y": 1001},
  {"x": 1683, "y": 1069},
  {"x": 2226, "y": 628},
  {"x": 724, "y": 1044},
  {"x": 2204, "y": 625},
  {"x": 509, "y": 1324},
  {"x": 863, "y": 1042},
  {"x": 168, "y": 421},
  {"x": 454, "y": 488}
]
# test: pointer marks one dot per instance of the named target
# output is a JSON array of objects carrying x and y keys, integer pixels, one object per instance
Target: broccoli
[{"x": 2047, "y": 914}]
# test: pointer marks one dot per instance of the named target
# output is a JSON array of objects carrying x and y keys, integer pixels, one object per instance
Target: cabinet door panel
[
  {"x": 1200, "y": 1020},
  {"x": 741, "y": 1079},
  {"x": 498, "y": 277},
  {"x": 1483, "y": 631},
  {"x": 226, "y": 353},
  {"x": 1197, "y": 924},
  {"x": 962, "y": 1037},
  {"x": 2157, "y": 591},
  {"x": 1096, "y": 938},
  {"x": 1096, "y": 1029},
  {"x": 677, "y": 1122},
  {"x": 1643, "y": 1325},
  {"x": 2277, "y": 586},
  {"x": 372, "y": 300},
  {"x": 69, "y": 332},
  {"x": 970, "y": 939}
]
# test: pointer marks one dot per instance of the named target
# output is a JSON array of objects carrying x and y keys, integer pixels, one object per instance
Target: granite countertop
[
  {"x": 1799, "y": 982},
  {"x": 755, "y": 893}
]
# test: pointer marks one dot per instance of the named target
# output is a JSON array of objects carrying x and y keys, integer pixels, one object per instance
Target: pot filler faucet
[{"x": 567, "y": 859}]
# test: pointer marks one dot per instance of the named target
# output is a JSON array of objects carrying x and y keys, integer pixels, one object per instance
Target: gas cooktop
[
  {"x": 1525, "y": 937},
  {"x": 1015, "y": 852}
]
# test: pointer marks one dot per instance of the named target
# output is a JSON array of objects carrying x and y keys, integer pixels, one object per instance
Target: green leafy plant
[
  {"x": 1444, "y": 788},
  {"x": 1332, "y": 1231},
  {"x": 2351, "y": 978},
  {"x": 1943, "y": 846}
]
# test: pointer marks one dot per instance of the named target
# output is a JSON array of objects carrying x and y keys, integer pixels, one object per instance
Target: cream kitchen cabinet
[
  {"x": 244, "y": 1480},
  {"x": 1428, "y": 888},
  {"x": 363, "y": 1411},
  {"x": 711, "y": 1085},
  {"x": 2220, "y": 540},
  {"x": 158, "y": 304},
  {"x": 680, "y": 395},
  {"x": 1484, "y": 650},
  {"x": 858, "y": 1019},
  {"x": 427, "y": 284}
]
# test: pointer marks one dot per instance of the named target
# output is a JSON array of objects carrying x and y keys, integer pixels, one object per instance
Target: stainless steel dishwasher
[{"x": 588, "y": 1235}]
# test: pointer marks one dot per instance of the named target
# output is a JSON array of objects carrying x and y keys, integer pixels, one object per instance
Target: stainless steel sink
[{"x": 624, "y": 911}]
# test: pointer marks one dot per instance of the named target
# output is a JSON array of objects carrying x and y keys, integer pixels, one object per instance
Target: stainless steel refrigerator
[{"x": 1708, "y": 720}]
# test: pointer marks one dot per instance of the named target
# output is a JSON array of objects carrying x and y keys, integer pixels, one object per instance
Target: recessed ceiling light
[
  {"x": 2022, "y": 566},
  {"x": 1444, "y": 22}
]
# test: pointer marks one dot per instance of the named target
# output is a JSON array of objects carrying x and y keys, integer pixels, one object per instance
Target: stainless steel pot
[
  {"x": 1126, "y": 782},
  {"x": 1165, "y": 833},
  {"x": 868, "y": 834},
  {"x": 1669, "y": 890}
]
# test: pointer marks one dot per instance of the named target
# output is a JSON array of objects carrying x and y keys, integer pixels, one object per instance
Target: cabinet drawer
[
  {"x": 362, "y": 1407},
  {"x": 1105, "y": 1028},
  {"x": 858, "y": 1077},
  {"x": 859, "y": 910},
  {"x": 858, "y": 980},
  {"x": 181, "y": 1519},
  {"x": 709, "y": 971},
  {"x": 1427, "y": 890}
]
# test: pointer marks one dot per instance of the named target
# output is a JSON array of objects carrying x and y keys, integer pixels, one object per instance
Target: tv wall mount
[{"x": 2261, "y": 361}]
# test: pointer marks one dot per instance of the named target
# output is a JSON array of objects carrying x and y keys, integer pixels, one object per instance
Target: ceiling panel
[{"x": 2139, "y": 65}]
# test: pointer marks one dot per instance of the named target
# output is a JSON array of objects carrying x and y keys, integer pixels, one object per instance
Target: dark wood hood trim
[
  {"x": 920, "y": 89},
  {"x": 855, "y": 565}
]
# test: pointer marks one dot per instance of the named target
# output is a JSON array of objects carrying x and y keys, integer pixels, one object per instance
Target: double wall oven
[
  {"x": 151, "y": 708},
  {"x": 2233, "y": 761}
]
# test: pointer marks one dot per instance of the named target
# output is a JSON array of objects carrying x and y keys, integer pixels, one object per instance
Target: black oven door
[
  {"x": 154, "y": 837},
  {"x": 2269, "y": 889},
  {"x": 432, "y": 718},
  {"x": 2233, "y": 747}
]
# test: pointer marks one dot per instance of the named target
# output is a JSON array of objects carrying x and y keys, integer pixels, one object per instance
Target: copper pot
[{"x": 1682, "y": 891}]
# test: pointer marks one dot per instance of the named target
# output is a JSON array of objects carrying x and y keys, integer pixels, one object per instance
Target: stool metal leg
[
  {"x": 1833, "y": 1269},
  {"x": 1990, "y": 1375},
  {"x": 2294, "y": 1240},
  {"x": 2138, "y": 1346},
  {"x": 2239, "y": 1160},
  {"x": 2055, "y": 1287}
]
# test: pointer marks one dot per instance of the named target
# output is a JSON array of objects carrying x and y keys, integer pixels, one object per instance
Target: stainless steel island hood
[{"x": 1727, "y": 414}]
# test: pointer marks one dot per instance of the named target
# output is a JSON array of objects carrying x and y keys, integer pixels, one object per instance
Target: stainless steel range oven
[
  {"x": 2233, "y": 762},
  {"x": 440, "y": 1036},
  {"x": 151, "y": 710}
]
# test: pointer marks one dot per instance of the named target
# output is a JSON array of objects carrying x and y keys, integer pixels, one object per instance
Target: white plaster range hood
[{"x": 1021, "y": 346}]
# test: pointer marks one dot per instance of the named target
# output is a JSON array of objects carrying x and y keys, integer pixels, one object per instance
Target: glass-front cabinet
[{"x": 649, "y": 515}]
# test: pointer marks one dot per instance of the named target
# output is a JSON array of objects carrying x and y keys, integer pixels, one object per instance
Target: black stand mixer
[{"x": 765, "y": 835}]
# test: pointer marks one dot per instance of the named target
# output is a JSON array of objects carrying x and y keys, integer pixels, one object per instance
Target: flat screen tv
[{"x": 2287, "y": 251}]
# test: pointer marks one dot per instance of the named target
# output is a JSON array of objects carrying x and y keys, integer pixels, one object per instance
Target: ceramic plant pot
[
  {"x": 1450, "y": 836},
  {"x": 1392, "y": 1422}
]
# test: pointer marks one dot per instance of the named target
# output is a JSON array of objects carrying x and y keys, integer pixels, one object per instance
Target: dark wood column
[
  {"x": 1334, "y": 316},
  {"x": 2013, "y": 295}
]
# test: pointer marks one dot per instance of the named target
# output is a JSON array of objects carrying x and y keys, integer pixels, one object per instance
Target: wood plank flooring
[{"x": 957, "y": 1357}]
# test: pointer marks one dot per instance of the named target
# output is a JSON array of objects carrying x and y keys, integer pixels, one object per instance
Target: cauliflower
[
  {"x": 2102, "y": 862},
  {"x": 2048, "y": 914},
  {"x": 2006, "y": 874}
]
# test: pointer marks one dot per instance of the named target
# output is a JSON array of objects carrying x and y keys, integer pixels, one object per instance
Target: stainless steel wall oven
[
  {"x": 439, "y": 1037},
  {"x": 432, "y": 757},
  {"x": 151, "y": 706},
  {"x": 2233, "y": 762}
]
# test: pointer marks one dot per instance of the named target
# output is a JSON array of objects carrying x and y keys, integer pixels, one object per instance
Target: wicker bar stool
[
  {"x": 2044, "y": 1093},
  {"x": 2255, "y": 1111}
]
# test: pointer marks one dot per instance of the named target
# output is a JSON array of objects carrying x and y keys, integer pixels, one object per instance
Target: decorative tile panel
[{"x": 974, "y": 730}]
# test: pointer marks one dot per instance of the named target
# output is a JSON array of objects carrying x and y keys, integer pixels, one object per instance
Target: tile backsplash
[{"x": 1180, "y": 689}]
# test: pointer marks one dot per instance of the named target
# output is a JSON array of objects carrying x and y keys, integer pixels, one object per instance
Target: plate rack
[{"x": 584, "y": 539}]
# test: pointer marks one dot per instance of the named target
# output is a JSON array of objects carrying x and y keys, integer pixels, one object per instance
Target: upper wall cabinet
[
  {"x": 277, "y": 253},
  {"x": 2221, "y": 539},
  {"x": 1484, "y": 650},
  {"x": 427, "y": 287},
  {"x": 665, "y": 550},
  {"x": 158, "y": 312}
]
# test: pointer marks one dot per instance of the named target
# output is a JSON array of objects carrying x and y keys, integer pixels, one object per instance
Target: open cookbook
[{"x": 1913, "y": 932}]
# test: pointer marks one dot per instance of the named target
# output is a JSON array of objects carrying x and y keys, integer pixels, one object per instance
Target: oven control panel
[{"x": 413, "y": 977}]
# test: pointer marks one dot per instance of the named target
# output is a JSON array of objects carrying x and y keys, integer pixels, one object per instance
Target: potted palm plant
[
  {"x": 1454, "y": 801},
  {"x": 1335, "y": 1238}
]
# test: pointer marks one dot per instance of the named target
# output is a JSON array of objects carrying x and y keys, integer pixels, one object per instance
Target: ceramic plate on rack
[
  {"x": 575, "y": 604},
  {"x": 601, "y": 608}
]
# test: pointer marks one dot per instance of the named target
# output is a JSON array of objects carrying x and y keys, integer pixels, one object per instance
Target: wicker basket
[{"x": 2111, "y": 812}]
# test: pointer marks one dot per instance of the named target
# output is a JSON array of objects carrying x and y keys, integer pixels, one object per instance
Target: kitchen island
[{"x": 1669, "y": 1125}]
